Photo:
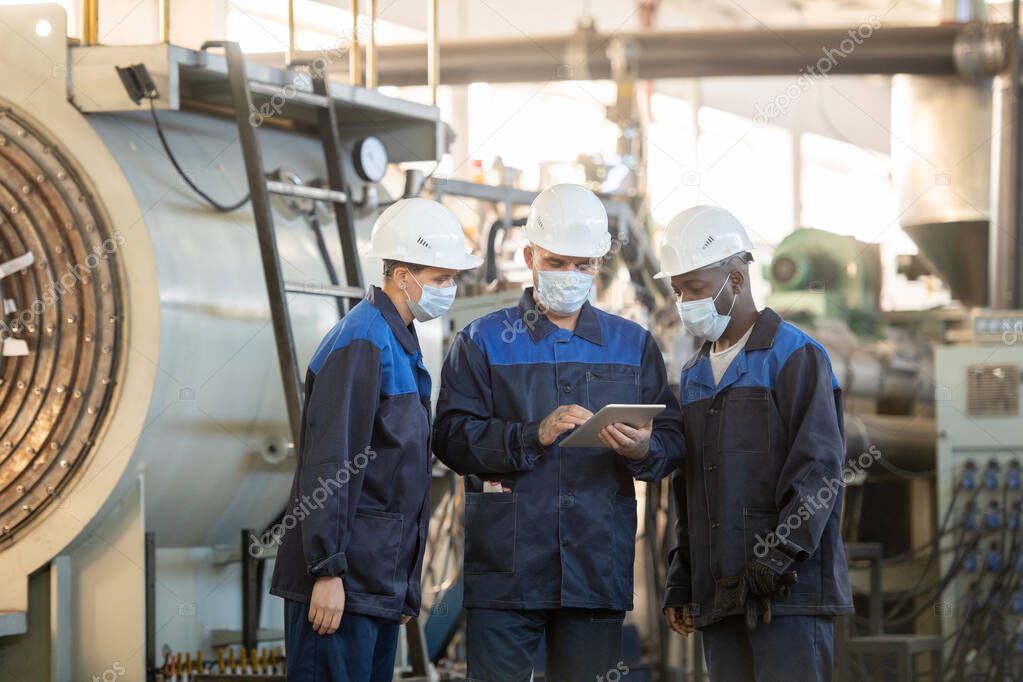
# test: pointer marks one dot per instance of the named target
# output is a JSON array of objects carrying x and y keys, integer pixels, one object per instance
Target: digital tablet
[{"x": 586, "y": 434}]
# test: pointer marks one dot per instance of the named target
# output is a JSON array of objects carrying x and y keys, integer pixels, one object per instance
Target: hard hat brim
[
  {"x": 468, "y": 261},
  {"x": 561, "y": 250}
]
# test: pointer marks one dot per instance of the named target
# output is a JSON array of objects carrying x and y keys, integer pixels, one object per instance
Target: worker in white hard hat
[
  {"x": 352, "y": 542},
  {"x": 759, "y": 567},
  {"x": 550, "y": 531}
]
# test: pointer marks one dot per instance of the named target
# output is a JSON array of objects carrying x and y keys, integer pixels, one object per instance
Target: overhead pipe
[{"x": 972, "y": 50}]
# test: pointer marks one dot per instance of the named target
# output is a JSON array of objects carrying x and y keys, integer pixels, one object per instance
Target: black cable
[
  {"x": 978, "y": 627},
  {"x": 935, "y": 551},
  {"x": 938, "y": 590},
  {"x": 223, "y": 208},
  {"x": 905, "y": 473}
]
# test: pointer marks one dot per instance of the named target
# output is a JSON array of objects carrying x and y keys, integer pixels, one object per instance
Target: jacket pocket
[
  {"x": 490, "y": 532},
  {"x": 608, "y": 386},
  {"x": 373, "y": 553},
  {"x": 624, "y": 546},
  {"x": 745, "y": 424},
  {"x": 759, "y": 526}
]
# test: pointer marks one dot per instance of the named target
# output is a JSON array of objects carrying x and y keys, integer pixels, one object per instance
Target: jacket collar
[
  {"x": 587, "y": 326},
  {"x": 406, "y": 335},
  {"x": 762, "y": 337}
]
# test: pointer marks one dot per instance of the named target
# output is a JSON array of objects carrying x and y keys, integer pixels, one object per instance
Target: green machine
[{"x": 818, "y": 274}]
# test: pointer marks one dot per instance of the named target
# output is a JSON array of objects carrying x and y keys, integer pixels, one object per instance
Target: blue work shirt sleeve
[
  {"x": 667, "y": 443},
  {"x": 339, "y": 417},
  {"x": 466, "y": 436},
  {"x": 811, "y": 408}
]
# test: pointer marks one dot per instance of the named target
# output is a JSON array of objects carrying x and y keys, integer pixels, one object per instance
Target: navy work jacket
[
  {"x": 763, "y": 475},
  {"x": 358, "y": 504},
  {"x": 563, "y": 534}
]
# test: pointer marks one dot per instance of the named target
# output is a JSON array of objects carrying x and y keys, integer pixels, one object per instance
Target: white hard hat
[
  {"x": 698, "y": 237},
  {"x": 421, "y": 232},
  {"x": 569, "y": 220}
]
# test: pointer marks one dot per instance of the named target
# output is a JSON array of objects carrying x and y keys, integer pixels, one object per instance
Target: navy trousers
[
  {"x": 582, "y": 645},
  {"x": 361, "y": 650},
  {"x": 789, "y": 649}
]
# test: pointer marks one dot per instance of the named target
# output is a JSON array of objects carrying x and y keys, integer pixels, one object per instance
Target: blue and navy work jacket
[
  {"x": 763, "y": 475},
  {"x": 560, "y": 530},
  {"x": 359, "y": 502}
]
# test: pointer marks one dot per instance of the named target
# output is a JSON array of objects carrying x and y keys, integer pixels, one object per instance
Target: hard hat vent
[
  {"x": 539, "y": 222},
  {"x": 423, "y": 242},
  {"x": 708, "y": 241}
]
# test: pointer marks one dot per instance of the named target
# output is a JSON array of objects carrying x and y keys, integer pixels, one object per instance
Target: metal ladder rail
[
  {"x": 263, "y": 218},
  {"x": 260, "y": 189},
  {"x": 344, "y": 212}
]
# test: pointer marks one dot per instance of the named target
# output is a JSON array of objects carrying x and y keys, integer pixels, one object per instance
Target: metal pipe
[
  {"x": 163, "y": 10},
  {"x": 1001, "y": 253},
  {"x": 90, "y": 22},
  {"x": 963, "y": 10},
  {"x": 432, "y": 50},
  {"x": 371, "y": 48},
  {"x": 906, "y": 442},
  {"x": 1005, "y": 289},
  {"x": 290, "y": 56},
  {"x": 953, "y": 49},
  {"x": 354, "y": 67},
  {"x": 1016, "y": 227}
]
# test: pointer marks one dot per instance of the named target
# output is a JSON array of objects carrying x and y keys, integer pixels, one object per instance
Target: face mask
[
  {"x": 563, "y": 292},
  {"x": 702, "y": 319},
  {"x": 433, "y": 303}
]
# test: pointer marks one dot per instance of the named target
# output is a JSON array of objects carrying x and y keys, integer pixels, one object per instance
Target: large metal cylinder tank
[
  {"x": 214, "y": 397},
  {"x": 140, "y": 356},
  {"x": 941, "y": 166}
]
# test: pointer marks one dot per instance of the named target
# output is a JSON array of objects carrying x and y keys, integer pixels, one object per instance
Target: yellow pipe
[
  {"x": 371, "y": 48},
  {"x": 354, "y": 68},
  {"x": 163, "y": 8},
  {"x": 90, "y": 22},
  {"x": 433, "y": 50}
]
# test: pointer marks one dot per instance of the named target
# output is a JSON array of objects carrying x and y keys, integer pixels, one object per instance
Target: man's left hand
[{"x": 627, "y": 441}]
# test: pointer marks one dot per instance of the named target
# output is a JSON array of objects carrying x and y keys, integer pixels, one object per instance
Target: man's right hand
[
  {"x": 680, "y": 620},
  {"x": 327, "y": 604},
  {"x": 564, "y": 418}
]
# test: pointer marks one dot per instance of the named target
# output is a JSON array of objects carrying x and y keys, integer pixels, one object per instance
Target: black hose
[
  {"x": 490, "y": 261},
  {"x": 223, "y": 208}
]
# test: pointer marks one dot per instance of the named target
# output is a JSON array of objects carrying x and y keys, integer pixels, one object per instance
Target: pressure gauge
[{"x": 371, "y": 159}]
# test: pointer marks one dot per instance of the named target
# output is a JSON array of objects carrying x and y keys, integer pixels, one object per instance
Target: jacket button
[
  {"x": 712, "y": 410},
  {"x": 712, "y": 467},
  {"x": 568, "y": 389},
  {"x": 715, "y": 525}
]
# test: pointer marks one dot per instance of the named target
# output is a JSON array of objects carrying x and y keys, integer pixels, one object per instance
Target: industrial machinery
[
  {"x": 143, "y": 423},
  {"x": 980, "y": 454}
]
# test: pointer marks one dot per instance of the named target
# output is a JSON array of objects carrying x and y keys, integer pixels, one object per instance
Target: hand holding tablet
[{"x": 587, "y": 435}]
